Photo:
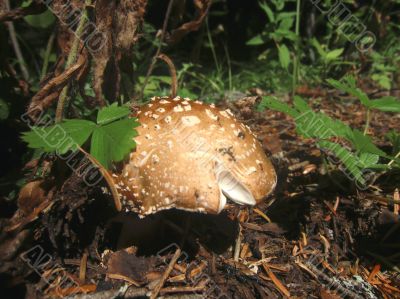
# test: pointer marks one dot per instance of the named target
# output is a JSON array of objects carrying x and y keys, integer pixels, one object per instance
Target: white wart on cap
[{"x": 192, "y": 156}]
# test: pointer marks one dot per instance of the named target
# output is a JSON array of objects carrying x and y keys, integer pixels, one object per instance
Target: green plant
[
  {"x": 111, "y": 136},
  {"x": 386, "y": 104},
  {"x": 355, "y": 151},
  {"x": 381, "y": 71},
  {"x": 296, "y": 60},
  {"x": 394, "y": 139},
  {"x": 4, "y": 110},
  {"x": 327, "y": 56},
  {"x": 197, "y": 82},
  {"x": 63, "y": 99},
  {"x": 384, "y": 64},
  {"x": 155, "y": 85},
  {"x": 279, "y": 29},
  {"x": 43, "y": 20}
]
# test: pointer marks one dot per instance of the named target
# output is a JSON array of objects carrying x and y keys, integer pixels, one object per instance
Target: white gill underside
[{"x": 233, "y": 189}]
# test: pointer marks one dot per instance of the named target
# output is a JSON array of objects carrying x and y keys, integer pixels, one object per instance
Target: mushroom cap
[{"x": 191, "y": 156}]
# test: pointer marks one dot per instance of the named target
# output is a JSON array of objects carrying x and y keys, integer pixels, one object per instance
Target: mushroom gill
[{"x": 192, "y": 156}]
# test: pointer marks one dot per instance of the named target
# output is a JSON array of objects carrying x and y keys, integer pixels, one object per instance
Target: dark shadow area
[
  {"x": 381, "y": 243},
  {"x": 10, "y": 288},
  {"x": 86, "y": 219},
  {"x": 289, "y": 214},
  {"x": 156, "y": 232}
]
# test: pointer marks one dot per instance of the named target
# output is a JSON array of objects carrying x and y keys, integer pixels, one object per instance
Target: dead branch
[
  {"x": 202, "y": 7},
  {"x": 44, "y": 97},
  {"x": 20, "y": 12},
  {"x": 172, "y": 72}
]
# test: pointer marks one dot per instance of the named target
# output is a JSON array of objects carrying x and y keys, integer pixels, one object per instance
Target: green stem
[
  {"x": 47, "y": 54},
  {"x": 295, "y": 59},
  {"x": 394, "y": 159},
  {"x": 158, "y": 51},
  {"x": 16, "y": 46},
  {"x": 229, "y": 67},
  {"x": 212, "y": 47},
  {"x": 367, "y": 121},
  {"x": 62, "y": 102}
]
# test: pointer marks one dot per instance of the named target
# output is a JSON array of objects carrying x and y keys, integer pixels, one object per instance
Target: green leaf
[
  {"x": 314, "y": 125},
  {"x": 285, "y": 15},
  {"x": 112, "y": 137},
  {"x": 300, "y": 104},
  {"x": 321, "y": 127},
  {"x": 112, "y": 113},
  {"x": 264, "y": 6},
  {"x": 280, "y": 34},
  {"x": 339, "y": 128},
  {"x": 379, "y": 166},
  {"x": 284, "y": 56},
  {"x": 273, "y": 103},
  {"x": 340, "y": 85},
  {"x": 164, "y": 79},
  {"x": 349, "y": 86},
  {"x": 255, "y": 41},
  {"x": 394, "y": 138},
  {"x": 367, "y": 160},
  {"x": 383, "y": 80},
  {"x": 26, "y": 3},
  {"x": 279, "y": 4},
  {"x": 4, "y": 110},
  {"x": 286, "y": 23},
  {"x": 364, "y": 144},
  {"x": 349, "y": 160},
  {"x": 318, "y": 125},
  {"x": 186, "y": 93},
  {"x": 78, "y": 130},
  {"x": 43, "y": 20},
  {"x": 113, "y": 142},
  {"x": 387, "y": 104},
  {"x": 355, "y": 91},
  {"x": 334, "y": 54},
  {"x": 61, "y": 137},
  {"x": 318, "y": 47}
]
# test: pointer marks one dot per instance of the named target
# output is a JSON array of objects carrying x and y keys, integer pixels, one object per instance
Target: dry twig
[
  {"x": 20, "y": 12},
  {"x": 276, "y": 281},
  {"x": 83, "y": 267},
  {"x": 44, "y": 97},
  {"x": 262, "y": 214},
  {"x": 124, "y": 278},
  {"x": 162, "y": 36},
  {"x": 174, "y": 259},
  {"x": 70, "y": 60},
  {"x": 172, "y": 71}
]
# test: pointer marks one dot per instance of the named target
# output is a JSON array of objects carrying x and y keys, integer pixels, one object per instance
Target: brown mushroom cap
[{"x": 192, "y": 156}]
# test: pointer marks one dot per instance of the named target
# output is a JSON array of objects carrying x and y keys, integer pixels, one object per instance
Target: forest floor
[{"x": 321, "y": 238}]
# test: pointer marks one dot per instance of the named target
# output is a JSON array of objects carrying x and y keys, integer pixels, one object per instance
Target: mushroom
[{"x": 192, "y": 156}]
